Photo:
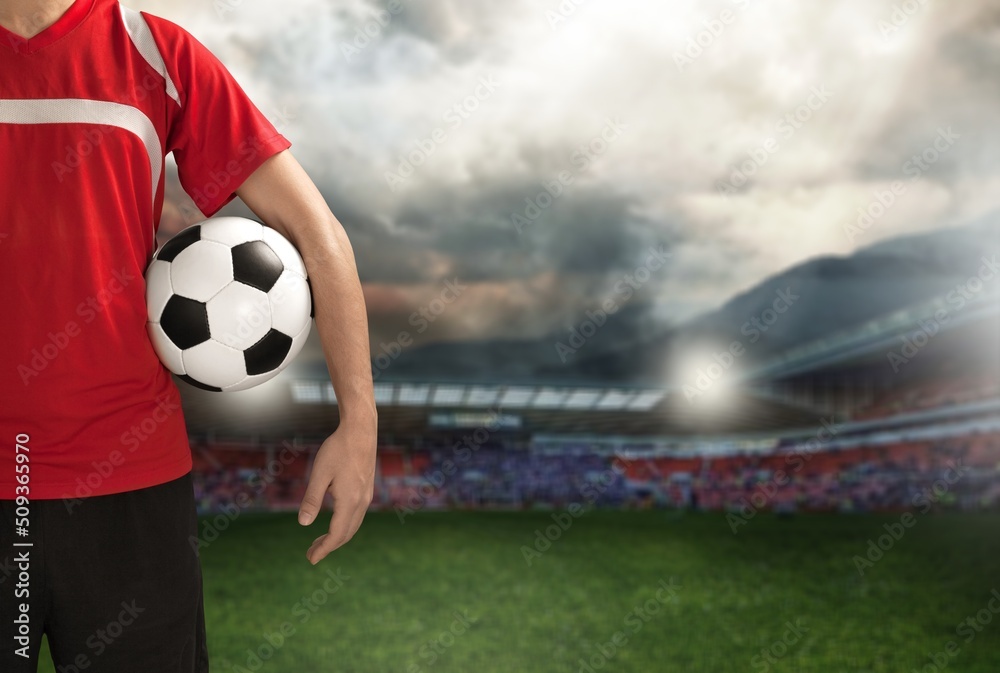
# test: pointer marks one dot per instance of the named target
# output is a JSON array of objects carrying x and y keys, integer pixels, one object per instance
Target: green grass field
[{"x": 452, "y": 592}]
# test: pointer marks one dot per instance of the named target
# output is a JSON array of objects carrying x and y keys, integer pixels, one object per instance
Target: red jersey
[{"x": 89, "y": 108}]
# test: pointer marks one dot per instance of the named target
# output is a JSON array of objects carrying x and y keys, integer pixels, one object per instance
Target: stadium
[
  {"x": 684, "y": 324},
  {"x": 816, "y": 509},
  {"x": 870, "y": 442}
]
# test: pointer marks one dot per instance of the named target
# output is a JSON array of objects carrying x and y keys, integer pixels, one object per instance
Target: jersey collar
[{"x": 72, "y": 18}]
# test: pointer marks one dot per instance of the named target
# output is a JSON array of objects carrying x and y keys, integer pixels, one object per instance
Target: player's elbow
[{"x": 325, "y": 241}]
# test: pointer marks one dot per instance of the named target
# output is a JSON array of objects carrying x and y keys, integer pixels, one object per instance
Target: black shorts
[{"x": 113, "y": 581}]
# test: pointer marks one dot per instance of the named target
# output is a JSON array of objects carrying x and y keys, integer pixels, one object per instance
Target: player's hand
[{"x": 345, "y": 468}]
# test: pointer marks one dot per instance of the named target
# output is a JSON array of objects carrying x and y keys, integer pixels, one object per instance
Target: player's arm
[{"x": 281, "y": 194}]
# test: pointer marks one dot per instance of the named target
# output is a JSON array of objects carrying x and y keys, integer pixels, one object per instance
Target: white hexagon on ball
[
  {"x": 239, "y": 316},
  {"x": 201, "y": 270},
  {"x": 214, "y": 364}
]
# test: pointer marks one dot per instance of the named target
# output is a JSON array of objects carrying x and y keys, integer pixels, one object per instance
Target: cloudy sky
[{"x": 649, "y": 115}]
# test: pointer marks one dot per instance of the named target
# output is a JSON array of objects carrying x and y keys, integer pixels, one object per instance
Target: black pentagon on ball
[
  {"x": 267, "y": 354},
  {"x": 175, "y": 245},
  {"x": 185, "y": 322},
  {"x": 198, "y": 384},
  {"x": 257, "y": 265}
]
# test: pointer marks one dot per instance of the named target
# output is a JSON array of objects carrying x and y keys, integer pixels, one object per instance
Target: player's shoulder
[{"x": 164, "y": 30}]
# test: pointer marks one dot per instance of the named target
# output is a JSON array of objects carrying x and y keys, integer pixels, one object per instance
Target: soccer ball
[{"x": 229, "y": 304}]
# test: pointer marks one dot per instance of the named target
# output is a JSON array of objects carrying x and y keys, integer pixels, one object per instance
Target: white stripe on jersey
[
  {"x": 142, "y": 38},
  {"x": 83, "y": 111}
]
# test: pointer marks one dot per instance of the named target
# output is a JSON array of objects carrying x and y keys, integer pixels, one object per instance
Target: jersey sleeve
[{"x": 216, "y": 133}]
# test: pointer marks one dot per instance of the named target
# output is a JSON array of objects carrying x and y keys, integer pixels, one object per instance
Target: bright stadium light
[
  {"x": 330, "y": 393},
  {"x": 705, "y": 376}
]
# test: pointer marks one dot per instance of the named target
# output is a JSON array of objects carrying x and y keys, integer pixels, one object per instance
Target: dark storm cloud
[
  {"x": 354, "y": 114},
  {"x": 385, "y": 254},
  {"x": 489, "y": 233},
  {"x": 461, "y": 30}
]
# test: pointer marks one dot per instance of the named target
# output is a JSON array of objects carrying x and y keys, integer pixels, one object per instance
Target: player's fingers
[
  {"x": 313, "y": 499},
  {"x": 317, "y": 550},
  {"x": 337, "y": 536},
  {"x": 343, "y": 526}
]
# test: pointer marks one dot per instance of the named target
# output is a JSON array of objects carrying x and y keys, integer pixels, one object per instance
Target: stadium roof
[
  {"x": 973, "y": 325},
  {"x": 507, "y": 397},
  {"x": 308, "y": 408},
  {"x": 786, "y": 394}
]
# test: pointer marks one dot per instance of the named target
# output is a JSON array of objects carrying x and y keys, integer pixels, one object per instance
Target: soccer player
[{"x": 96, "y": 510}]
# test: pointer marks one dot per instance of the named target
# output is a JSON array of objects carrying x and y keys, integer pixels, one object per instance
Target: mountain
[{"x": 820, "y": 297}]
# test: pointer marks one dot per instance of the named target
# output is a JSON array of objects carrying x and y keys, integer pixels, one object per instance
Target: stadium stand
[
  {"x": 962, "y": 472},
  {"x": 932, "y": 396}
]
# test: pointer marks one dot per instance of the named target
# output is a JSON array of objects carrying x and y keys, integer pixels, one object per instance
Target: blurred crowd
[{"x": 961, "y": 472}]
